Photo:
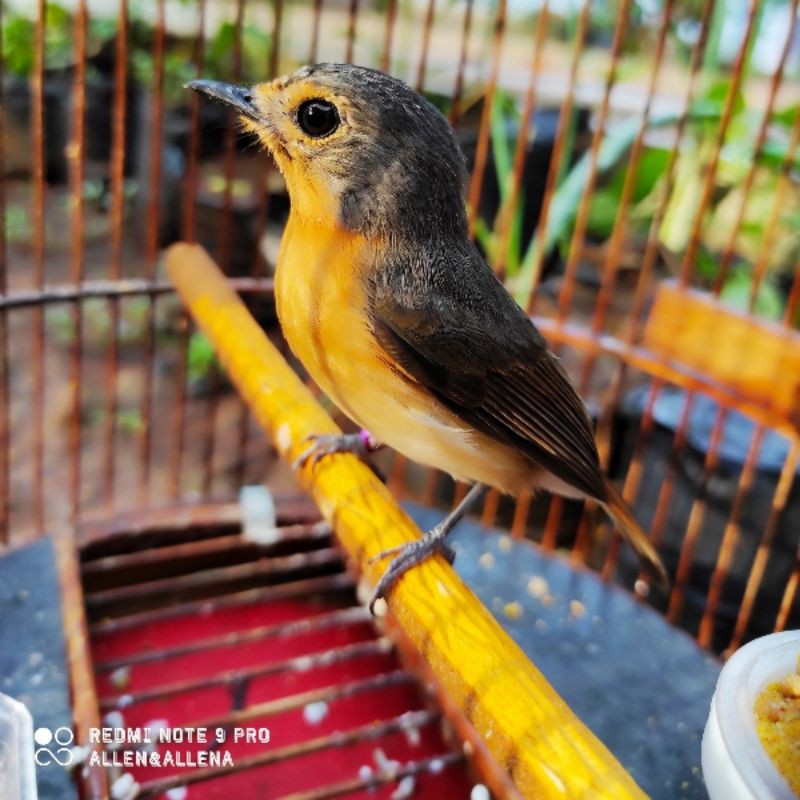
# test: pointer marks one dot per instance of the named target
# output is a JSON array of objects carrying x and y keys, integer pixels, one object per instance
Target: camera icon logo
[{"x": 54, "y": 746}]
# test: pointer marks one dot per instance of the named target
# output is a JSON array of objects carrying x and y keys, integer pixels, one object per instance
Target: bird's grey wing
[{"x": 464, "y": 338}]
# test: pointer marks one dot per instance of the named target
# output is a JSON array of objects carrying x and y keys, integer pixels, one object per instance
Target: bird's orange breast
[{"x": 323, "y": 306}]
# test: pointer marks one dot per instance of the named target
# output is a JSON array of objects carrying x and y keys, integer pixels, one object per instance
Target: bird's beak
[{"x": 238, "y": 97}]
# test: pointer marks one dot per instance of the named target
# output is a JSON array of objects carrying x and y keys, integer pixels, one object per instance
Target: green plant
[
  {"x": 649, "y": 182},
  {"x": 19, "y": 38},
  {"x": 256, "y": 48},
  {"x": 201, "y": 358}
]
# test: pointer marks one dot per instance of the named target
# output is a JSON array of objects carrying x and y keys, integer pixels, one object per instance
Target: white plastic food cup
[
  {"x": 735, "y": 764},
  {"x": 17, "y": 771}
]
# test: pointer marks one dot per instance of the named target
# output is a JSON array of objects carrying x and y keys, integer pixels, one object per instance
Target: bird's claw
[
  {"x": 407, "y": 556},
  {"x": 326, "y": 444}
]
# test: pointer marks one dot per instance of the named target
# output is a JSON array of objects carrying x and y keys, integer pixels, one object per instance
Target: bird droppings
[
  {"x": 486, "y": 560},
  {"x": 479, "y": 792},
  {"x": 365, "y": 773},
  {"x": 304, "y": 663},
  {"x": 413, "y": 736},
  {"x": 512, "y": 610},
  {"x": 283, "y": 437},
  {"x": 504, "y": 543},
  {"x": 177, "y": 793},
  {"x": 121, "y": 677},
  {"x": 124, "y": 787},
  {"x": 577, "y": 609},
  {"x": 436, "y": 766},
  {"x": 538, "y": 587},
  {"x": 386, "y": 766},
  {"x": 78, "y": 755},
  {"x": 124, "y": 701},
  {"x": 114, "y": 719},
  {"x": 314, "y": 713},
  {"x": 405, "y": 788}
]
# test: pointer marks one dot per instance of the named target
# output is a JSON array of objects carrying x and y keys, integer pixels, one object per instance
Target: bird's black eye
[{"x": 318, "y": 118}]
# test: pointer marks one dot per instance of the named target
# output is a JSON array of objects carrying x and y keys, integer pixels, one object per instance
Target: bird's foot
[
  {"x": 409, "y": 555},
  {"x": 323, "y": 445}
]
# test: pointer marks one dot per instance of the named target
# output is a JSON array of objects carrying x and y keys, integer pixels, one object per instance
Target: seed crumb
[
  {"x": 512, "y": 610},
  {"x": 486, "y": 560}
]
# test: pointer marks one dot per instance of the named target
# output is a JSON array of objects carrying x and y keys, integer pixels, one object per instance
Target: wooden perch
[{"x": 544, "y": 748}]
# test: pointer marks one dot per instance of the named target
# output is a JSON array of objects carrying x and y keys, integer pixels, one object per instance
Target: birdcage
[{"x": 633, "y": 180}]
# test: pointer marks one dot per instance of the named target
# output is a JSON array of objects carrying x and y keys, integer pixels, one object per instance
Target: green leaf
[
  {"x": 737, "y": 291},
  {"x": 603, "y": 212},
  {"x": 786, "y": 116},
  {"x": 201, "y": 358}
]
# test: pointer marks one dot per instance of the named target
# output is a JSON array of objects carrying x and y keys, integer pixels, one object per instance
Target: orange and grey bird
[{"x": 394, "y": 312}]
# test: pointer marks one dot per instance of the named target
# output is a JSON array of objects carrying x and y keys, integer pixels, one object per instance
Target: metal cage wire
[{"x": 101, "y": 406}]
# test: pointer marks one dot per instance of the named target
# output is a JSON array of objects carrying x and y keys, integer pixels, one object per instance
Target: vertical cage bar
[
  {"x": 115, "y": 261},
  {"x": 5, "y": 433},
  {"x": 482, "y": 148},
  {"x": 312, "y": 55},
  {"x": 426, "y": 42},
  {"x": 761, "y": 137},
  {"x": 756, "y": 576},
  {"x": 556, "y": 158},
  {"x": 151, "y": 257},
  {"x": 509, "y": 208},
  {"x": 651, "y": 249},
  {"x": 38, "y": 359},
  {"x": 189, "y": 235},
  {"x": 734, "y": 83},
  {"x": 263, "y": 169},
  {"x": 788, "y": 599},
  {"x": 224, "y": 254},
  {"x": 388, "y": 36},
  {"x": 694, "y": 526},
  {"x": 352, "y": 20},
  {"x": 76, "y": 163},
  {"x": 619, "y": 231},
  {"x": 730, "y": 539},
  {"x": 773, "y": 220},
  {"x": 458, "y": 89},
  {"x": 579, "y": 229},
  {"x": 633, "y": 476}
]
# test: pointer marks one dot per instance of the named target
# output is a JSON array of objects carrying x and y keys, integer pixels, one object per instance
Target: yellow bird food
[
  {"x": 777, "y": 712},
  {"x": 394, "y": 312}
]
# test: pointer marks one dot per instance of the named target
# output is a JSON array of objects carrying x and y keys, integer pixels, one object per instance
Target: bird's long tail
[{"x": 627, "y": 525}]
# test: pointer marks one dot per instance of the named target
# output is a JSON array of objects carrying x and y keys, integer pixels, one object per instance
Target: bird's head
[{"x": 357, "y": 147}]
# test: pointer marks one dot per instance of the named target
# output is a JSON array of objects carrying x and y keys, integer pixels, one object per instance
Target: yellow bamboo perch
[{"x": 527, "y": 727}]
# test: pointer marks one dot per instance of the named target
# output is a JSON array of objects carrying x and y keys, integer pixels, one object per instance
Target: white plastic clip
[{"x": 259, "y": 520}]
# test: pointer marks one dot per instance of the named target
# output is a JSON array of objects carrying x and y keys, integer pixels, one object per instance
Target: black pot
[
  {"x": 719, "y": 494},
  {"x": 544, "y": 126},
  {"x": 18, "y": 105},
  {"x": 100, "y": 104}
]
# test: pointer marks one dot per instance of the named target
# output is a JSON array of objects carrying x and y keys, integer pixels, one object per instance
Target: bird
[{"x": 394, "y": 312}]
